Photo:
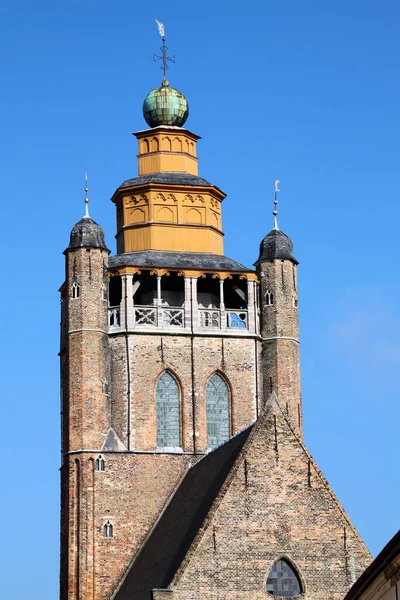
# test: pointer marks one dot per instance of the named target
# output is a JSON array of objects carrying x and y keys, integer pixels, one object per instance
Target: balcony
[{"x": 172, "y": 303}]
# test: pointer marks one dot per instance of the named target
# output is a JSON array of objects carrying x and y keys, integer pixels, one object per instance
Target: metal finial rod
[
  {"x": 86, "y": 195},
  {"x": 275, "y": 211},
  {"x": 164, "y": 58}
]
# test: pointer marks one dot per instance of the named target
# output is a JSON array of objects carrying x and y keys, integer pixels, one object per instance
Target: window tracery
[
  {"x": 284, "y": 581},
  {"x": 100, "y": 464},
  {"x": 269, "y": 298},
  {"x": 108, "y": 530},
  {"x": 217, "y": 409},
  {"x": 167, "y": 412},
  {"x": 75, "y": 290}
]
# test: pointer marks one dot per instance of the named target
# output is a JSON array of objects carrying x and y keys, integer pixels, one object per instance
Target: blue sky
[{"x": 303, "y": 91}]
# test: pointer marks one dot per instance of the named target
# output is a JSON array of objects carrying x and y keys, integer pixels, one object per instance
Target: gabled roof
[{"x": 165, "y": 549}]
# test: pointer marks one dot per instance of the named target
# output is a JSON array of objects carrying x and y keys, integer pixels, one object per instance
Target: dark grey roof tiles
[
  {"x": 178, "y": 260},
  {"x": 159, "y": 559},
  {"x": 87, "y": 234},
  {"x": 168, "y": 178},
  {"x": 276, "y": 245}
]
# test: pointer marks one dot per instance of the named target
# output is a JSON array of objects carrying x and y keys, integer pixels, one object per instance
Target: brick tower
[
  {"x": 279, "y": 323},
  {"x": 170, "y": 352}
]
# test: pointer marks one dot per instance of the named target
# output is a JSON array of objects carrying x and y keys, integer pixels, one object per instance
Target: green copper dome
[{"x": 165, "y": 106}]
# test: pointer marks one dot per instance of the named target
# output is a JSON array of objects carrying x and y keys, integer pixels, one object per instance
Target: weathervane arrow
[
  {"x": 161, "y": 29},
  {"x": 164, "y": 58}
]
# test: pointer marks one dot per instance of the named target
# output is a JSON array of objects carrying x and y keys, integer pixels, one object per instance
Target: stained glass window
[
  {"x": 283, "y": 580},
  {"x": 217, "y": 407},
  {"x": 167, "y": 409}
]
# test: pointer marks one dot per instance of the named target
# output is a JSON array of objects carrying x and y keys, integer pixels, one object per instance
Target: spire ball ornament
[{"x": 165, "y": 106}]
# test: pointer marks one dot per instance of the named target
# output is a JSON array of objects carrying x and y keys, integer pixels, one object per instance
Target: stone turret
[
  {"x": 279, "y": 323},
  {"x": 84, "y": 339}
]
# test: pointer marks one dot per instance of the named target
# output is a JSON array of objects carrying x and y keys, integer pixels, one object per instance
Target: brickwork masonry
[{"x": 274, "y": 503}]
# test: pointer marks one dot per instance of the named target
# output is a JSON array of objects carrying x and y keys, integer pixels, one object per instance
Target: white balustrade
[
  {"x": 213, "y": 318},
  {"x": 114, "y": 316},
  {"x": 210, "y": 318},
  {"x": 155, "y": 316}
]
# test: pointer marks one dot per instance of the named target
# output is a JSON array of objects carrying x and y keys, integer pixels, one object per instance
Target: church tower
[{"x": 181, "y": 395}]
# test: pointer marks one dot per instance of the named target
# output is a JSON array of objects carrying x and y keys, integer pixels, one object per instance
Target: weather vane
[
  {"x": 86, "y": 195},
  {"x": 163, "y": 49},
  {"x": 275, "y": 212}
]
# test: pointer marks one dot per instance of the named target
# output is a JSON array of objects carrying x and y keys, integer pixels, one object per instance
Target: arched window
[
  {"x": 217, "y": 407},
  {"x": 283, "y": 580},
  {"x": 75, "y": 290},
  {"x": 167, "y": 410},
  {"x": 108, "y": 530},
  {"x": 99, "y": 464},
  {"x": 269, "y": 298}
]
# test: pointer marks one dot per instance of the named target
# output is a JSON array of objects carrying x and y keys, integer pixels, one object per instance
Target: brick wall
[
  {"x": 277, "y": 505},
  {"x": 192, "y": 361},
  {"x": 280, "y": 330}
]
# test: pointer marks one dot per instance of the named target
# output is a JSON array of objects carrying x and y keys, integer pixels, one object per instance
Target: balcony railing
[
  {"x": 114, "y": 316},
  {"x": 236, "y": 319},
  {"x": 166, "y": 317},
  {"x": 214, "y": 319},
  {"x": 154, "y": 316},
  {"x": 210, "y": 318}
]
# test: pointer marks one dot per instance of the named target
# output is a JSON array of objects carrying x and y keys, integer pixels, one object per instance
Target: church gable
[{"x": 274, "y": 504}]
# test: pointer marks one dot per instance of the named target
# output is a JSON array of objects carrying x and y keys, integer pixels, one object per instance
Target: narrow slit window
[
  {"x": 283, "y": 580},
  {"x": 167, "y": 411},
  {"x": 104, "y": 386},
  {"x": 269, "y": 298},
  {"x": 217, "y": 409},
  {"x": 108, "y": 530},
  {"x": 103, "y": 292},
  {"x": 295, "y": 301},
  {"x": 75, "y": 290},
  {"x": 100, "y": 464}
]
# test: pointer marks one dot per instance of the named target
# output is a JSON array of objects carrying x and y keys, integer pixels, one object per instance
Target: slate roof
[
  {"x": 86, "y": 233},
  {"x": 390, "y": 553},
  {"x": 178, "y": 260},
  {"x": 162, "y": 554},
  {"x": 276, "y": 245},
  {"x": 168, "y": 178}
]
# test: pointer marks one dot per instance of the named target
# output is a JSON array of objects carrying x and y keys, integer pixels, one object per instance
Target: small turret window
[
  {"x": 75, "y": 290},
  {"x": 295, "y": 301},
  {"x": 103, "y": 294},
  {"x": 104, "y": 386},
  {"x": 269, "y": 298},
  {"x": 283, "y": 580},
  {"x": 100, "y": 464},
  {"x": 108, "y": 530}
]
